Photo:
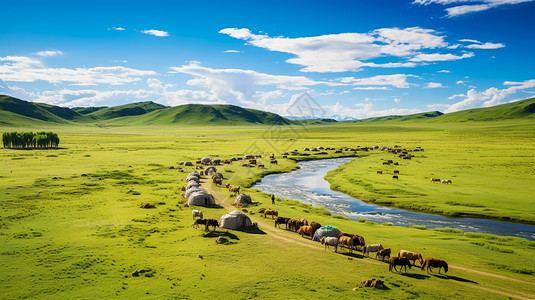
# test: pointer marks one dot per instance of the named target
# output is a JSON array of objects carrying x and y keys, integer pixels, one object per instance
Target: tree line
[{"x": 28, "y": 140}]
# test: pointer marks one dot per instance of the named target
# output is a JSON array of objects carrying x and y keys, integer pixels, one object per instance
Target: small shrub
[
  {"x": 340, "y": 217},
  {"x": 362, "y": 220},
  {"x": 387, "y": 224},
  {"x": 421, "y": 227}
]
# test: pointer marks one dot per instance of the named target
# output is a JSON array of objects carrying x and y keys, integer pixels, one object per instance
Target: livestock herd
[{"x": 301, "y": 226}]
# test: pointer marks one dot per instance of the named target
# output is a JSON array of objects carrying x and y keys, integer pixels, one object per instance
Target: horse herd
[{"x": 354, "y": 242}]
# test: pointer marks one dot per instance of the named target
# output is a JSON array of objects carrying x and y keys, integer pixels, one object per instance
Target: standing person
[{"x": 272, "y": 198}]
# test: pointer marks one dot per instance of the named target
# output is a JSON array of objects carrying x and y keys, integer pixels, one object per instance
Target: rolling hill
[{"x": 16, "y": 112}]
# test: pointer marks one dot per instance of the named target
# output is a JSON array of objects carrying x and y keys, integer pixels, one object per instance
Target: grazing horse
[
  {"x": 315, "y": 226},
  {"x": 399, "y": 261},
  {"x": 305, "y": 230},
  {"x": 357, "y": 239},
  {"x": 379, "y": 172},
  {"x": 411, "y": 256},
  {"x": 211, "y": 222},
  {"x": 346, "y": 241},
  {"x": 395, "y": 177},
  {"x": 303, "y": 221},
  {"x": 197, "y": 213},
  {"x": 272, "y": 213},
  {"x": 383, "y": 253},
  {"x": 446, "y": 181},
  {"x": 292, "y": 225},
  {"x": 396, "y": 171},
  {"x": 274, "y": 162},
  {"x": 435, "y": 263},
  {"x": 281, "y": 220},
  {"x": 371, "y": 248},
  {"x": 435, "y": 179},
  {"x": 199, "y": 222},
  {"x": 217, "y": 180},
  {"x": 330, "y": 241}
]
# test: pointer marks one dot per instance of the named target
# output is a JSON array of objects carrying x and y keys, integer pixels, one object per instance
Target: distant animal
[
  {"x": 274, "y": 162},
  {"x": 234, "y": 189},
  {"x": 183, "y": 189},
  {"x": 371, "y": 248},
  {"x": 261, "y": 166},
  {"x": 261, "y": 211},
  {"x": 446, "y": 181},
  {"x": 197, "y": 213},
  {"x": 305, "y": 230},
  {"x": 411, "y": 256},
  {"x": 330, "y": 241},
  {"x": 252, "y": 161},
  {"x": 396, "y": 164},
  {"x": 357, "y": 239},
  {"x": 346, "y": 241},
  {"x": 199, "y": 222},
  {"x": 217, "y": 180},
  {"x": 398, "y": 261},
  {"x": 395, "y": 177},
  {"x": 396, "y": 171},
  {"x": 435, "y": 263},
  {"x": 304, "y": 221},
  {"x": 211, "y": 222},
  {"x": 147, "y": 205},
  {"x": 384, "y": 253},
  {"x": 281, "y": 220},
  {"x": 315, "y": 226},
  {"x": 299, "y": 223},
  {"x": 272, "y": 213},
  {"x": 292, "y": 225},
  {"x": 435, "y": 179},
  {"x": 379, "y": 172},
  {"x": 386, "y": 163}
]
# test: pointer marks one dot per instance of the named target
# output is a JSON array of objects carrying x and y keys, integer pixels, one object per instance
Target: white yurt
[
  {"x": 188, "y": 163},
  {"x": 216, "y": 161},
  {"x": 195, "y": 173},
  {"x": 205, "y": 160},
  {"x": 235, "y": 220},
  {"x": 192, "y": 178},
  {"x": 243, "y": 199},
  {"x": 210, "y": 170},
  {"x": 201, "y": 198},
  {"x": 233, "y": 159},
  {"x": 325, "y": 231},
  {"x": 191, "y": 191},
  {"x": 191, "y": 184}
]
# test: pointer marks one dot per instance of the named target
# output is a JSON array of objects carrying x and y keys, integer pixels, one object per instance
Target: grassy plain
[{"x": 71, "y": 226}]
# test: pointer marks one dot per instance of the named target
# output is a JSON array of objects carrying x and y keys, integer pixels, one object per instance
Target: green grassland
[{"x": 71, "y": 226}]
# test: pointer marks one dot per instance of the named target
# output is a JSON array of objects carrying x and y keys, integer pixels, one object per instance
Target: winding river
[{"x": 307, "y": 184}]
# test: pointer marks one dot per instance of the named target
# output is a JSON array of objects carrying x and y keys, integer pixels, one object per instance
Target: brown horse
[
  {"x": 304, "y": 221},
  {"x": 272, "y": 213},
  {"x": 281, "y": 220},
  {"x": 292, "y": 225},
  {"x": 411, "y": 256},
  {"x": 435, "y": 263},
  {"x": 399, "y": 261},
  {"x": 383, "y": 253},
  {"x": 346, "y": 241},
  {"x": 211, "y": 222},
  {"x": 305, "y": 230},
  {"x": 315, "y": 226}
]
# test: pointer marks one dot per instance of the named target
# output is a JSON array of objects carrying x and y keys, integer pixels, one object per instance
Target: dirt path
[{"x": 283, "y": 235}]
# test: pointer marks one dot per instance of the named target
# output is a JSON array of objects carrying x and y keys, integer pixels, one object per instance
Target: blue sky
[{"x": 357, "y": 59}]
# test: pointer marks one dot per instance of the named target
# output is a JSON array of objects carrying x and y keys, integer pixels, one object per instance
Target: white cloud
[
  {"x": 486, "y": 46},
  {"x": 49, "y": 53},
  {"x": 470, "y": 41},
  {"x": 468, "y": 7},
  {"x": 348, "y": 51},
  {"x": 460, "y": 82},
  {"x": 489, "y": 97},
  {"x": 444, "y": 71},
  {"x": 434, "y": 85},
  {"x": 440, "y": 57},
  {"x": 118, "y": 28},
  {"x": 25, "y": 69},
  {"x": 371, "y": 88},
  {"x": 395, "y": 80},
  {"x": 232, "y": 51},
  {"x": 155, "y": 32},
  {"x": 456, "y": 96},
  {"x": 397, "y": 100}
]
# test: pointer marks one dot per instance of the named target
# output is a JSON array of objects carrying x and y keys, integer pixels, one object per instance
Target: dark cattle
[
  {"x": 379, "y": 172},
  {"x": 211, "y": 222},
  {"x": 435, "y": 179},
  {"x": 304, "y": 221},
  {"x": 261, "y": 166},
  {"x": 281, "y": 220},
  {"x": 252, "y": 161},
  {"x": 274, "y": 161},
  {"x": 396, "y": 171},
  {"x": 292, "y": 225},
  {"x": 199, "y": 222},
  {"x": 399, "y": 261},
  {"x": 395, "y": 177}
]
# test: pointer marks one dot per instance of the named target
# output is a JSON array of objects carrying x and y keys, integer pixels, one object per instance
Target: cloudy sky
[{"x": 356, "y": 59}]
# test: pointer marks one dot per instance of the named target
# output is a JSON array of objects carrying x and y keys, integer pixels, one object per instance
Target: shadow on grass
[
  {"x": 446, "y": 277},
  {"x": 254, "y": 230},
  {"x": 415, "y": 276},
  {"x": 352, "y": 254},
  {"x": 213, "y": 234}
]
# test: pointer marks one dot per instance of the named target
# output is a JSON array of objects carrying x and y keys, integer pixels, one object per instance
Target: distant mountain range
[{"x": 16, "y": 112}]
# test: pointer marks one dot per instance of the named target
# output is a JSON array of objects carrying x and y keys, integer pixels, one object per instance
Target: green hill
[
  {"x": 15, "y": 110},
  {"x": 420, "y": 116},
  {"x": 132, "y": 109},
  {"x": 516, "y": 110},
  {"x": 87, "y": 110},
  {"x": 200, "y": 115}
]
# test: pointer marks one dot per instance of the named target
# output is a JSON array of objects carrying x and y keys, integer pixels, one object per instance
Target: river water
[{"x": 308, "y": 185}]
